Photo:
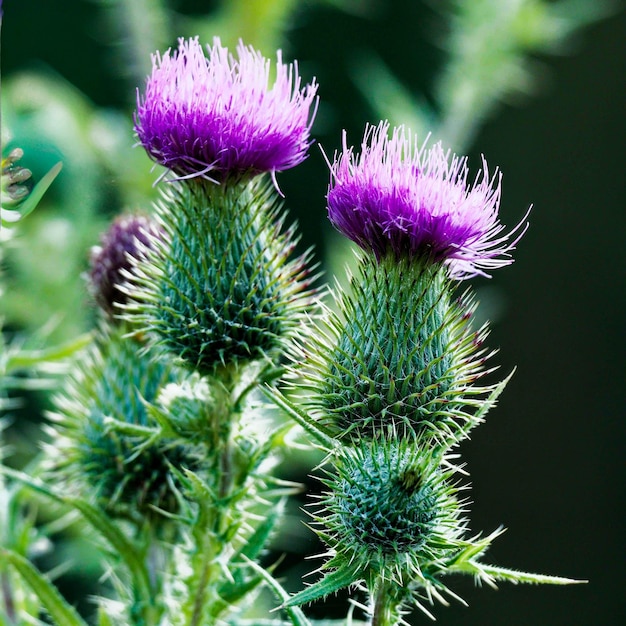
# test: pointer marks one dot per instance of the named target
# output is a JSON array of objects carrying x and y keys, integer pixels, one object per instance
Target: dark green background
[{"x": 549, "y": 462}]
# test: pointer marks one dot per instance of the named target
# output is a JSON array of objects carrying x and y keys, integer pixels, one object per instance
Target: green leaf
[
  {"x": 98, "y": 520},
  {"x": 331, "y": 583},
  {"x": 132, "y": 430},
  {"x": 472, "y": 550},
  {"x": 33, "y": 483},
  {"x": 491, "y": 573},
  {"x": 317, "y": 431},
  {"x": 273, "y": 442},
  {"x": 296, "y": 615},
  {"x": 60, "y": 611},
  {"x": 30, "y": 358},
  {"x": 255, "y": 544},
  {"x": 118, "y": 541},
  {"x": 232, "y": 591}
]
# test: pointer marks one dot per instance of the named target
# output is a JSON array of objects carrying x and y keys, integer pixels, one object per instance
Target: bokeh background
[{"x": 549, "y": 463}]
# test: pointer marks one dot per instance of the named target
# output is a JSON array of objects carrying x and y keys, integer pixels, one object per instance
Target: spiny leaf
[
  {"x": 493, "y": 572},
  {"x": 98, "y": 520},
  {"x": 233, "y": 591},
  {"x": 117, "y": 539},
  {"x": 33, "y": 483},
  {"x": 257, "y": 541},
  {"x": 32, "y": 358},
  {"x": 316, "y": 430},
  {"x": 61, "y": 612},
  {"x": 295, "y": 614},
  {"x": 331, "y": 583},
  {"x": 127, "y": 428}
]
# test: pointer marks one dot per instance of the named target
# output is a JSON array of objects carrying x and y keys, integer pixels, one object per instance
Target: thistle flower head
[
  {"x": 392, "y": 514},
  {"x": 130, "y": 474},
  {"x": 397, "y": 197},
  {"x": 385, "y": 502},
  {"x": 217, "y": 115},
  {"x": 111, "y": 260}
]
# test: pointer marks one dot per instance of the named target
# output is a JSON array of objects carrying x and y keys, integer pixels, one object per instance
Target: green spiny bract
[
  {"x": 399, "y": 352},
  {"x": 221, "y": 291},
  {"x": 102, "y": 430},
  {"x": 393, "y": 519},
  {"x": 391, "y": 511}
]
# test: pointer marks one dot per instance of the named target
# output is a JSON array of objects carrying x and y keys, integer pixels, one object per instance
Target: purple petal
[
  {"x": 202, "y": 114},
  {"x": 397, "y": 196}
]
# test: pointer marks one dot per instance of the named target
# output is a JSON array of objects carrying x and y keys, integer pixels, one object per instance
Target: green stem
[
  {"x": 226, "y": 471},
  {"x": 211, "y": 536},
  {"x": 225, "y": 430},
  {"x": 387, "y": 600},
  {"x": 379, "y": 607},
  {"x": 199, "y": 601},
  {"x": 31, "y": 358},
  {"x": 7, "y": 594}
]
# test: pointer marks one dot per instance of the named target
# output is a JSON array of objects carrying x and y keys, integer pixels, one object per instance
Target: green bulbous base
[
  {"x": 384, "y": 504},
  {"x": 399, "y": 353},
  {"x": 130, "y": 477},
  {"x": 391, "y": 509},
  {"x": 221, "y": 290}
]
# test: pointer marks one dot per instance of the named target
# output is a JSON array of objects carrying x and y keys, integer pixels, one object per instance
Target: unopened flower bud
[
  {"x": 111, "y": 261},
  {"x": 101, "y": 427}
]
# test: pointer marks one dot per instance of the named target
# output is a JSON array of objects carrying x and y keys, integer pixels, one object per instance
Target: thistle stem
[
  {"x": 201, "y": 595},
  {"x": 385, "y": 605},
  {"x": 7, "y": 594},
  {"x": 377, "y": 614},
  {"x": 215, "y": 526}
]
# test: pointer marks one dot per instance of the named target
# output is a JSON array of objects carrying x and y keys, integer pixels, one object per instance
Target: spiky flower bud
[
  {"x": 217, "y": 116},
  {"x": 101, "y": 429},
  {"x": 221, "y": 290},
  {"x": 110, "y": 262},
  {"x": 193, "y": 407},
  {"x": 391, "y": 518},
  {"x": 390, "y": 508}
]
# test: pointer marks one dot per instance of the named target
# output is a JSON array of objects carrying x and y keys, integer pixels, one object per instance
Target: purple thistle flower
[
  {"x": 415, "y": 201},
  {"x": 218, "y": 115}
]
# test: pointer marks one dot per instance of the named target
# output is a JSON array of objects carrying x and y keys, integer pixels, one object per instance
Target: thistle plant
[
  {"x": 165, "y": 435},
  {"x": 393, "y": 385},
  {"x": 165, "y": 445}
]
